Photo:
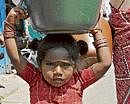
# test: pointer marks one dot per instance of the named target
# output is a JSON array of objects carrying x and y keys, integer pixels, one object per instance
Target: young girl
[{"x": 58, "y": 81}]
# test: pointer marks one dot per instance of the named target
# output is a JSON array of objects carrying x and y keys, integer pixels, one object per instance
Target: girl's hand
[
  {"x": 96, "y": 31},
  {"x": 16, "y": 14}
]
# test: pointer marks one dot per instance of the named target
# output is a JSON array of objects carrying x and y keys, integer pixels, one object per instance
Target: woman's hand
[{"x": 15, "y": 15}]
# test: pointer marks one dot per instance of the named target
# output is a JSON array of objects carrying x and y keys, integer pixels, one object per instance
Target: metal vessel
[{"x": 63, "y": 16}]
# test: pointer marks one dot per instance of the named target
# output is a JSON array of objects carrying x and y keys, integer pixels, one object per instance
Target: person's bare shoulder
[{"x": 122, "y": 4}]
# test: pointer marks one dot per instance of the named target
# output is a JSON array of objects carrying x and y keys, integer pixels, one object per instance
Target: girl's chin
[{"x": 57, "y": 83}]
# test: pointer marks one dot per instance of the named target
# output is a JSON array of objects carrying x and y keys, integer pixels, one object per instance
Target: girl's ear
[{"x": 83, "y": 47}]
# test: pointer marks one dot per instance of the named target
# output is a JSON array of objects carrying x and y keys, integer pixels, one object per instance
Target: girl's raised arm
[
  {"x": 103, "y": 54},
  {"x": 16, "y": 58}
]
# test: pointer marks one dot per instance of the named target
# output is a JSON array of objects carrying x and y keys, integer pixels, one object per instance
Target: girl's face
[{"x": 57, "y": 67}]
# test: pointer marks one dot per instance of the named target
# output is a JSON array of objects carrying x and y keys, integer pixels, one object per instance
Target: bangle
[
  {"x": 100, "y": 41},
  {"x": 9, "y": 31},
  {"x": 9, "y": 25},
  {"x": 103, "y": 45},
  {"x": 5, "y": 38},
  {"x": 8, "y": 35}
]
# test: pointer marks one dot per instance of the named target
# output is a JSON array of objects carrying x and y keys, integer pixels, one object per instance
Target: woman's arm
[
  {"x": 9, "y": 36},
  {"x": 103, "y": 55}
]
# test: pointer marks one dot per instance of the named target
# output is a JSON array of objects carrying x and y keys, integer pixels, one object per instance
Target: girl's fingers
[
  {"x": 95, "y": 31},
  {"x": 16, "y": 14},
  {"x": 20, "y": 13}
]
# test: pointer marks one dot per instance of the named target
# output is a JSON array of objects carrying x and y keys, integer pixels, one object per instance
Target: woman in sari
[{"x": 120, "y": 23}]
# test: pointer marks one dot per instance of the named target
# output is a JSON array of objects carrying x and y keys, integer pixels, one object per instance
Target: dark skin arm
[
  {"x": 17, "y": 59},
  {"x": 103, "y": 56}
]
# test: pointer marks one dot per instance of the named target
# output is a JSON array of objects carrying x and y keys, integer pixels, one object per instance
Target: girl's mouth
[{"x": 58, "y": 80}]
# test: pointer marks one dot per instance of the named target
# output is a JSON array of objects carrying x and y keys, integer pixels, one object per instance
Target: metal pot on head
[{"x": 63, "y": 16}]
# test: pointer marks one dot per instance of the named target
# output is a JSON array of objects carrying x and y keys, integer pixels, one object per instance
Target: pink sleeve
[
  {"x": 87, "y": 77},
  {"x": 29, "y": 73}
]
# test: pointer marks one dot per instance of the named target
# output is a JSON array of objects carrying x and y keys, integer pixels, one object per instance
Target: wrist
[
  {"x": 102, "y": 42},
  {"x": 97, "y": 33},
  {"x": 9, "y": 30},
  {"x": 11, "y": 19},
  {"x": 9, "y": 26}
]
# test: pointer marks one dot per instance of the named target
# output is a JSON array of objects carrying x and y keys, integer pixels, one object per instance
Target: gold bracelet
[
  {"x": 8, "y": 35},
  {"x": 9, "y": 31},
  {"x": 103, "y": 42},
  {"x": 5, "y": 38},
  {"x": 102, "y": 45},
  {"x": 9, "y": 25},
  {"x": 99, "y": 41}
]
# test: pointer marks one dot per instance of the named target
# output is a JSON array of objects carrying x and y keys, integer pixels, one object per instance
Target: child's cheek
[{"x": 48, "y": 74}]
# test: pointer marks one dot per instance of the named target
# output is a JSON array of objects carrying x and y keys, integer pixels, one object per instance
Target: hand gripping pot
[{"x": 63, "y": 16}]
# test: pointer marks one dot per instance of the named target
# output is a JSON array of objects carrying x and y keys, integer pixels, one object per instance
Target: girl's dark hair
[
  {"x": 33, "y": 44},
  {"x": 57, "y": 40}
]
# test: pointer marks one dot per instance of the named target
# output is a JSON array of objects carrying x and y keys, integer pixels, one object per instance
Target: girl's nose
[{"x": 58, "y": 70}]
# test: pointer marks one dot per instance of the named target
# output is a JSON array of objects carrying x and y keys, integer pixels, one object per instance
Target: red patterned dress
[
  {"x": 120, "y": 22},
  {"x": 43, "y": 93}
]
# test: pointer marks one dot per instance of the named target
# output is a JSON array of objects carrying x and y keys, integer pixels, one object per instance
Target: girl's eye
[
  {"x": 49, "y": 64},
  {"x": 66, "y": 64}
]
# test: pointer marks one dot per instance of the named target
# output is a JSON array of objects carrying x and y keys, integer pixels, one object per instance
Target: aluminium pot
[{"x": 63, "y": 16}]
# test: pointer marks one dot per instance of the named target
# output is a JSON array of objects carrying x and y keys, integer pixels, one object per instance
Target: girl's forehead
[{"x": 57, "y": 54}]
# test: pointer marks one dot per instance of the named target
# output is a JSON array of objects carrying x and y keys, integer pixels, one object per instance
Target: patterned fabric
[
  {"x": 43, "y": 93},
  {"x": 120, "y": 22}
]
